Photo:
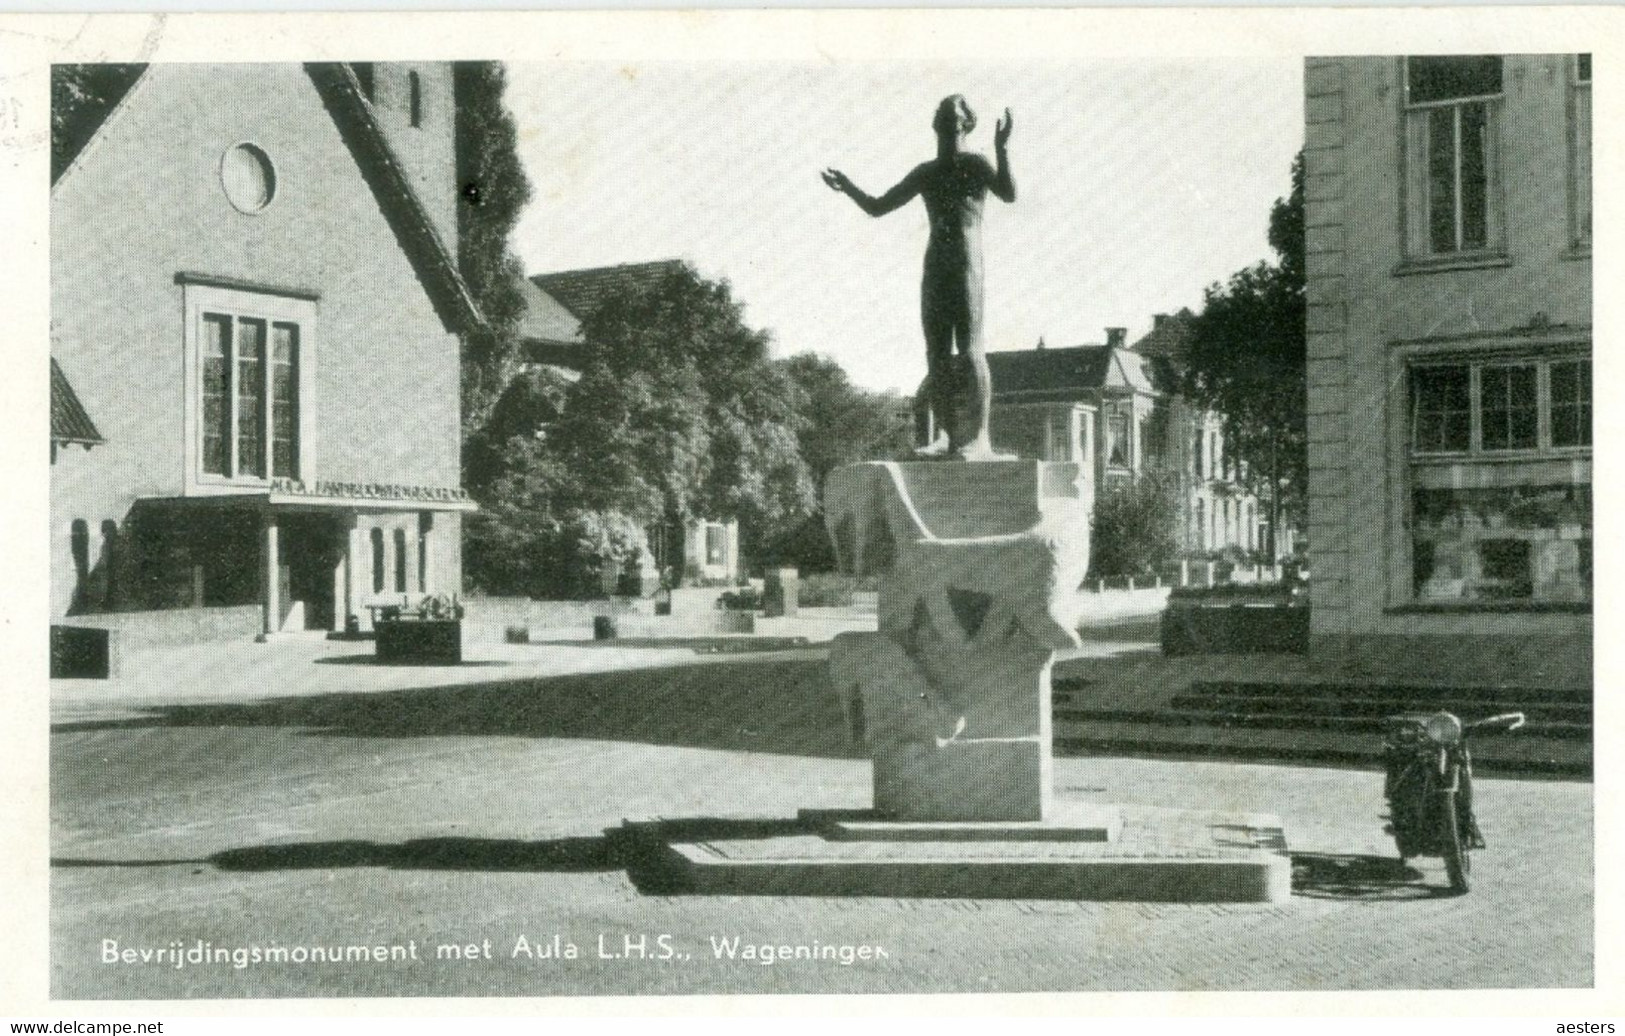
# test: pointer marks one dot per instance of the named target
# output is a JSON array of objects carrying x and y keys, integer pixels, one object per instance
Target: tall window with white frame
[
  {"x": 1452, "y": 111},
  {"x": 1580, "y": 144},
  {"x": 1117, "y": 444},
  {"x": 1500, "y": 468},
  {"x": 249, "y": 399}
]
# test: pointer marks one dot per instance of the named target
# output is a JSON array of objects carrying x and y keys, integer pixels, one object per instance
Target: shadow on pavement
[
  {"x": 374, "y": 660},
  {"x": 560, "y": 855},
  {"x": 699, "y": 645},
  {"x": 782, "y": 706},
  {"x": 640, "y": 854},
  {"x": 1371, "y": 878}
]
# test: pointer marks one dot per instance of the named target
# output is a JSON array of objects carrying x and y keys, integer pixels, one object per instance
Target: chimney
[
  {"x": 1116, "y": 337},
  {"x": 1040, "y": 343}
]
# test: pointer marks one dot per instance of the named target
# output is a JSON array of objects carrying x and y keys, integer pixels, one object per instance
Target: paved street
[{"x": 298, "y": 796}]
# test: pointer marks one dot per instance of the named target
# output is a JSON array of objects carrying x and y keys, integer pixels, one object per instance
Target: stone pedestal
[{"x": 980, "y": 564}]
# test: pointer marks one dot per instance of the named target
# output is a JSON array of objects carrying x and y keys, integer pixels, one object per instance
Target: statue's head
[{"x": 954, "y": 117}]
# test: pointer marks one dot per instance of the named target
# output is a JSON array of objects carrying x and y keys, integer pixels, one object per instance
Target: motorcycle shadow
[{"x": 1348, "y": 876}]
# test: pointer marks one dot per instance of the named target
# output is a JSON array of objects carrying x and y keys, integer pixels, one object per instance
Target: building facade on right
[{"x": 1448, "y": 214}]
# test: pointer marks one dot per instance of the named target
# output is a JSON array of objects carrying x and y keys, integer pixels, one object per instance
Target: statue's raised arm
[
  {"x": 1003, "y": 186},
  {"x": 891, "y": 201}
]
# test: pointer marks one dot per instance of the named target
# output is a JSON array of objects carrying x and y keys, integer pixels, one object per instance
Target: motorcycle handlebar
[{"x": 1511, "y": 720}]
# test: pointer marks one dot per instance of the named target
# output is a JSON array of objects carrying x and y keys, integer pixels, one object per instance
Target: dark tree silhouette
[{"x": 1248, "y": 358}]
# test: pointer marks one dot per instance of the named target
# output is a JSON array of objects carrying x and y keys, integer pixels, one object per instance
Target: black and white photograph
[{"x": 528, "y": 520}]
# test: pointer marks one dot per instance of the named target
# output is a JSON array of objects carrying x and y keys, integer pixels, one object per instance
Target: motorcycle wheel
[{"x": 1458, "y": 864}]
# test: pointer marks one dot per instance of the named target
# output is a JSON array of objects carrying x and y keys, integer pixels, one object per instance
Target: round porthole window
[{"x": 248, "y": 177}]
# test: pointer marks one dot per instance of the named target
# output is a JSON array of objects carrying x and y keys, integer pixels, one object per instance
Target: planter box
[
  {"x": 420, "y": 641},
  {"x": 1235, "y": 623},
  {"x": 83, "y": 652}
]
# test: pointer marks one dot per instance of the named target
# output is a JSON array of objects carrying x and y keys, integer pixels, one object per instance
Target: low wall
[
  {"x": 490, "y": 618},
  {"x": 695, "y": 625},
  {"x": 697, "y": 600},
  {"x": 1537, "y": 662},
  {"x": 1120, "y": 604},
  {"x": 522, "y": 611},
  {"x": 175, "y": 625}
]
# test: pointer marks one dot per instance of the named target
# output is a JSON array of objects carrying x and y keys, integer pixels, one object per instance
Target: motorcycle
[{"x": 1429, "y": 787}]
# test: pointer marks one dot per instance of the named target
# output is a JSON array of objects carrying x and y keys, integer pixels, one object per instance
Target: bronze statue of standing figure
[{"x": 954, "y": 184}]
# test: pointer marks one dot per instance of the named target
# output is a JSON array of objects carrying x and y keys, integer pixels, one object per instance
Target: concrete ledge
[
  {"x": 1171, "y": 856},
  {"x": 697, "y": 624},
  {"x": 167, "y": 626},
  {"x": 1071, "y": 822}
]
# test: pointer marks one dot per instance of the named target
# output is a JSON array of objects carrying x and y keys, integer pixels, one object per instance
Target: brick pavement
[{"x": 384, "y": 806}]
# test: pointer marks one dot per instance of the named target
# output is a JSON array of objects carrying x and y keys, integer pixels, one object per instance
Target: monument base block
[
  {"x": 1146, "y": 855},
  {"x": 1069, "y": 821}
]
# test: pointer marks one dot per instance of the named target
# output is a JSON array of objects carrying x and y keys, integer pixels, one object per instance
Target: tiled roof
[
  {"x": 580, "y": 291},
  {"x": 545, "y": 318},
  {"x": 1082, "y": 367},
  {"x": 1068, "y": 373},
  {"x": 69, "y": 421}
]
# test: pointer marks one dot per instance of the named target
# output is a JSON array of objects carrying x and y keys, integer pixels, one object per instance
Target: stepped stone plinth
[{"x": 980, "y": 565}]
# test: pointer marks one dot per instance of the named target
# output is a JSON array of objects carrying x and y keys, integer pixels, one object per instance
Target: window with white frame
[
  {"x": 716, "y": 544},
  {"x": 249, "y": 396},
  {"x": 1117, "y": 444},
  {"x": 1452, "y": 108},
  {"x": 1580, "y": 143},
  {"x": 1059, "y": 435},
  {"x": 1500, "y": 473}
]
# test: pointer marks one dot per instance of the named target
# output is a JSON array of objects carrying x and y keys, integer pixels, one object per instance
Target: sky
[{"x": 1139, "y": 183}]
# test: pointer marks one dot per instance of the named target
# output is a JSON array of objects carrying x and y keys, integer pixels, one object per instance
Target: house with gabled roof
[
  {"x": 256, "y": 306},
  {"x": 1115, "y": 408}
]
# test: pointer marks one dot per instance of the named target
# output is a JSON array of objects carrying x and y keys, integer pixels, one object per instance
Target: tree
[
  {"x": 842, "y": 424},
  {"x": 493, "y": 189},
  {"x": 1133, "y": 528},
  {"x": 1248, "y": 359},
  {"x": 531, "y": 537},
  {"x": 678, "y": 414},
  {"x": 531, "y": 404},
  {"x": 81, "y": 97}
]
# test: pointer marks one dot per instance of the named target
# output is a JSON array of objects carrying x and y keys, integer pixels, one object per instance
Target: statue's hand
[
  {"x": 1001, "y": 132},
  {"x": 837, "y": 181}
]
